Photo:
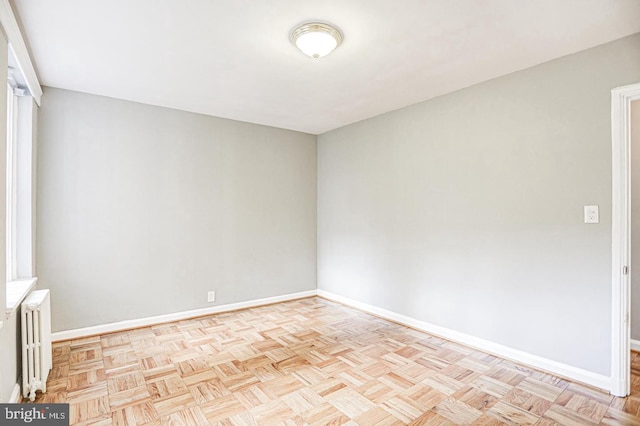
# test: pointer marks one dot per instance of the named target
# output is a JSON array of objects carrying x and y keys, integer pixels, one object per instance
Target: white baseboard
[
  {"x": 635, "y": 345},
  {"x": 554, "y": 367},
  {"x": 564, "y": 370},
  {"x": 177, "y": 316},
  {"x": 15, "y": 394}
]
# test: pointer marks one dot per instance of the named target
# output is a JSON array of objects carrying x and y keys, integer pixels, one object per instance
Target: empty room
[{"x": 356, "y": 212}]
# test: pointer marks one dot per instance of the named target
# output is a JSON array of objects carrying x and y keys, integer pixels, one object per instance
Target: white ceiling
[{"x": 233, "y": 58}]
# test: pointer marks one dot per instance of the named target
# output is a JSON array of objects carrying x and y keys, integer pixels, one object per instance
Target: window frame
[
  {"x": 11, "y": 183},
  {"x": 20, "y": 279}
]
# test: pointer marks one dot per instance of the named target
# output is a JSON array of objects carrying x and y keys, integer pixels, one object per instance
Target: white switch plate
[
  {"x": 591, "y": 214},
  {"x": 211, "y": 296}
]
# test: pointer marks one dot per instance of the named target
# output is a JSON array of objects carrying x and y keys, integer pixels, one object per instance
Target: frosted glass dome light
[{"x": 316, "y": 39}]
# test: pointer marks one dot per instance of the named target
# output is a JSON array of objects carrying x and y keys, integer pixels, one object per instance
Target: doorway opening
[{"x": 621, "y": 99}]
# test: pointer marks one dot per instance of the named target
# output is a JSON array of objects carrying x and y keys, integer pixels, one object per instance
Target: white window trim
[
  {"x": 19, "y": 196},
  {"x": 17, "y": 290},
  {"x": 11, "y": 190},
  {"x": 18, "y": 49}
]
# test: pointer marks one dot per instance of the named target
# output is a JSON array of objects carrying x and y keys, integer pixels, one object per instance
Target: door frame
[{"x": 621, "y": 99}]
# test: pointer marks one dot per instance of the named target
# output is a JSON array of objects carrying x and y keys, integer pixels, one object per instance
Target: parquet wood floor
[{"x": 311, "y": 362}]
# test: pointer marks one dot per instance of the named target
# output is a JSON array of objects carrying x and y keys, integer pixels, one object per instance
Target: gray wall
[
  {"x": 635, "y": 220},
  {"x": 10, "y": 352},
  {"x": 466, "y": 211},
  {"x": 142, "y": 210}
]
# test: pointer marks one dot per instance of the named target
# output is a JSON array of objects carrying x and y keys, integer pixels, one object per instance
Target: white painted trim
[
  {"x": 635, "y": 345},
  {"x": 15, "y": 394},
  {"x": 564, "y": 370},
  {"x": 19, "y": 47},
  {"x": 621, "y": 237},
  {"x": 17, "y": 290},
  {"x": 506, "y": 352},
  {"x": 25, "y": 187},
  {"x": 177, "y": 316}
]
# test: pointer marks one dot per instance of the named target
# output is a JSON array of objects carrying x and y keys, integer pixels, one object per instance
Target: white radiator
[{"x": 36, "y": 343}]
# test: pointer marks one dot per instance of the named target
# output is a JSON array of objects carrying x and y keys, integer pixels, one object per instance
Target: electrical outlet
[
  {"x": 591, "y": 214},
  {"x": 211, "y": 296}
]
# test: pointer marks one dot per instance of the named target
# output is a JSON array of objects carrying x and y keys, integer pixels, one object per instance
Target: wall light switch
[{"x": 591, "y": 214}]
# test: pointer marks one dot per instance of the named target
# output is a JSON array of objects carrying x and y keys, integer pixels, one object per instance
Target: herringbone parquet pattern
[{"x": 311, "y": 362}]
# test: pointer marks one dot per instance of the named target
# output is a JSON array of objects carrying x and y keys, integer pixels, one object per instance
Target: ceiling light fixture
[{"x": 316, "y": 39}]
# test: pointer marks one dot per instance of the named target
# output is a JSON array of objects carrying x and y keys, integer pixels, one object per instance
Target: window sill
[{"x": 16, "y": 292}]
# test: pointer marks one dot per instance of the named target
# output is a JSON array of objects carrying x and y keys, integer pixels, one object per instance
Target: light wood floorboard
[{"x": 311, "y": 362}]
